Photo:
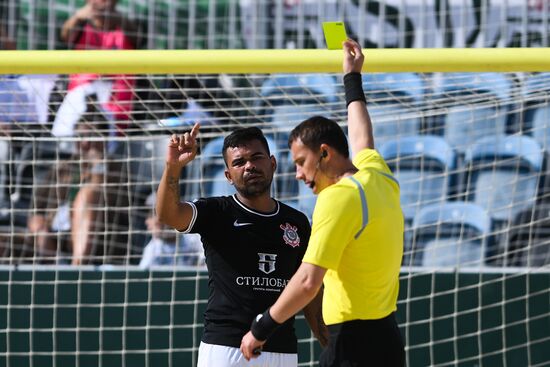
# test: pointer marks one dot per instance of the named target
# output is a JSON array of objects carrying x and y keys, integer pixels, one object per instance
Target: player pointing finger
[{"x": 183, "y": 149}]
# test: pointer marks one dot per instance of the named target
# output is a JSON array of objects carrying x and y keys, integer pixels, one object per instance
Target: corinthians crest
[{"x": 290, "y": 235}]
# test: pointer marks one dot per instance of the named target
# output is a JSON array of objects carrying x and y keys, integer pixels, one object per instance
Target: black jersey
[{"x": 250, "y": 257}]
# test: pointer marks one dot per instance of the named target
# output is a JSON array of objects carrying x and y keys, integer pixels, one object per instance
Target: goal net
[{"x": 91, "y": 278}]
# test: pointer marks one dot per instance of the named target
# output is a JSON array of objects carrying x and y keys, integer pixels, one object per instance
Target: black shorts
[{"x": 363, "y": 343}]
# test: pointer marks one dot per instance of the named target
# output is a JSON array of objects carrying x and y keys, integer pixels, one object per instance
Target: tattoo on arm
[{"x": 174, "y": 188}]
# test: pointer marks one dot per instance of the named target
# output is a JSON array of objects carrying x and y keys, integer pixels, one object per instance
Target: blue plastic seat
[
  {"x": 503, "y": 174},
  {"x": 395, "y": 107},
  {"x": 537, "y": 109},
  {"x": 405, "y": 87},
  {"x": 451, "y": 234},
  {"x": 192, "y": 114},
  {"x": 541, "y": 126},
  {"x": 392, "y": 120},
  {"x": 301, "y": 87},
  {"x": 212, "y": 176},
  {"x": 475, "y": 104},
  {"x": 529, "y": 238},
  {"x": 422, "y": 165},
  {"x": 287, "y": 100}
]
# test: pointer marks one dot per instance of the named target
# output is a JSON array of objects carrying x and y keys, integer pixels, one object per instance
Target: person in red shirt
[{"x": 99, "y": 26}]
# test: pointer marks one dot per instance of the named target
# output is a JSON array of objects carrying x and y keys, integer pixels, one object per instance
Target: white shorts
[{"x": 211, "y": 355}]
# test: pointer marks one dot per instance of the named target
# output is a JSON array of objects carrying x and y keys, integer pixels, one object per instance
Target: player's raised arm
[
  {"x": 359, "y": 123},
  {"x": 170, "y": 210}
]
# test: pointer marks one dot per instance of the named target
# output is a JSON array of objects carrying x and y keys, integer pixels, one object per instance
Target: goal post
[
  {"x": 273, "y": 61},
  {"x": 465, "y": 131}
]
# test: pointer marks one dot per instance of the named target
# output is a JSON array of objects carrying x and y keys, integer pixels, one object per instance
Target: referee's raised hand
[
  {"x": 183, "y": 149},
  {"x": 353, "y": 57}
]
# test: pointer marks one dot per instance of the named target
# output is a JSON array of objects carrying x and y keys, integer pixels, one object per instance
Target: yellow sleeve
[
  {"x": 370, "y": 158},
  {"x": 336, "y": 220}
]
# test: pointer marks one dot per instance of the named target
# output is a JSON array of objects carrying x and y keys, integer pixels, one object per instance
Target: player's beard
[{"x": 256, "y": 188}]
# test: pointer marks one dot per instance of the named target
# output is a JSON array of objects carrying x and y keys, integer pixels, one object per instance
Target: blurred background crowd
[{"x": 81, "y": 154}]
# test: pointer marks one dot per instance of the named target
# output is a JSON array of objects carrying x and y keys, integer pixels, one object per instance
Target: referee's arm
[
  {"x": 313, "y": 313},
  {"x": 359, "y": 123},
  {"x": 299, "y": 292}
]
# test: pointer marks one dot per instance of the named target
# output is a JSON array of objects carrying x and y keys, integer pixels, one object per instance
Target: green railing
[{"x": 136, "y": 318}]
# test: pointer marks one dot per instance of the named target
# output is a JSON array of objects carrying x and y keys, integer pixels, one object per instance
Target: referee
[
  {"x": 356, "y": 243},
  {"x": 253, "y": 245}
]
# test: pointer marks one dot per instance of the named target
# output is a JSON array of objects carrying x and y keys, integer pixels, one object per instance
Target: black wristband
[
  {"x": 353, "y": 85},
  {"x": 263, "y": 326}
]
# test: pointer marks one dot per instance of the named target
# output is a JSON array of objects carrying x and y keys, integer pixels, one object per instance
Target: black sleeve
[{"x": 205, "y": 214}]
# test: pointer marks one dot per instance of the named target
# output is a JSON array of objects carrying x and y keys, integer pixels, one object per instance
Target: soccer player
[
  {"x": 253, "y": 245},
  {"x": 356, "y": 242}
]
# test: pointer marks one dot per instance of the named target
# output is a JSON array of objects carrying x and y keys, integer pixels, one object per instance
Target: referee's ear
[{"x": 326, "y": 151}]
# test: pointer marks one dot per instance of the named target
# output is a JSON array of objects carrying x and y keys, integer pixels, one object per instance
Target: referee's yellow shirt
[{"x": 357, "y": 234}]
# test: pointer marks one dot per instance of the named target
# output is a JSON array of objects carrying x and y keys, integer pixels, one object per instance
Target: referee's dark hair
[
  {"x": 242, "y": 136},
  {"x": 319, "y": 130}
]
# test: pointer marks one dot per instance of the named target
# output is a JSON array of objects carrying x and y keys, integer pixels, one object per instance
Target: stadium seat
[
  {"x": 192, "y": 114},
  {"x": 451, "y": 234},
  {"x": 146, "y": 158},
  {"x": 4, "y": 157},
  {"x": 529, "y": 238},
  {"x": 541, "y": 126},
  {"x": 300, "y": 87},
  {"x": 422, "y": 165},
  {"x": 537, "y": 109},
  {"x": 475, "y": 106},
  {"x": 212, "y": 170},
  {"x": 287, "y": 100},
  {"x": 395, "y": 106},
  {"x": 503, "y": 174}
]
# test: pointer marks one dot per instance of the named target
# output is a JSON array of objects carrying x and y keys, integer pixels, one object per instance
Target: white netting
[{"x": 468, "y": 150}]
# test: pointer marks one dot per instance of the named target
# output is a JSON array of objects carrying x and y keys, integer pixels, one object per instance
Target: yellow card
[{"x": 335, "y": 34}]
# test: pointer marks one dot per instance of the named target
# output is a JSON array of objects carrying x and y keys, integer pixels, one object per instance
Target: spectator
[
  {"x": 23, "y": 101},
  {"x": 6, "y": 42},
  {"x": 82, "y": 208},
  {"x": 167, "y": 247},
  {"x": 97, "y": 26}
]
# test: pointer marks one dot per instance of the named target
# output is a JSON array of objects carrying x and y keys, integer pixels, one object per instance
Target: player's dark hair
[
  {"x": 242, "y": 136},
  {"x": 319, "y": 130}
]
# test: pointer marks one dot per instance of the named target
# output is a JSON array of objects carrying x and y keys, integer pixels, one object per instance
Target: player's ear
[
  {"x": 273, "y": 163},
  {"x": 228, "y": 176}
]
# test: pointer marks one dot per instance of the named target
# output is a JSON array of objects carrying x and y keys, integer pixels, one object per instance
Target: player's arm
[
  {"x": 170, "y": 210},
  {"x": 300, "y": 291},
  {"x": 359, "y": 123},
  {"x": 313, "y": 313}
]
